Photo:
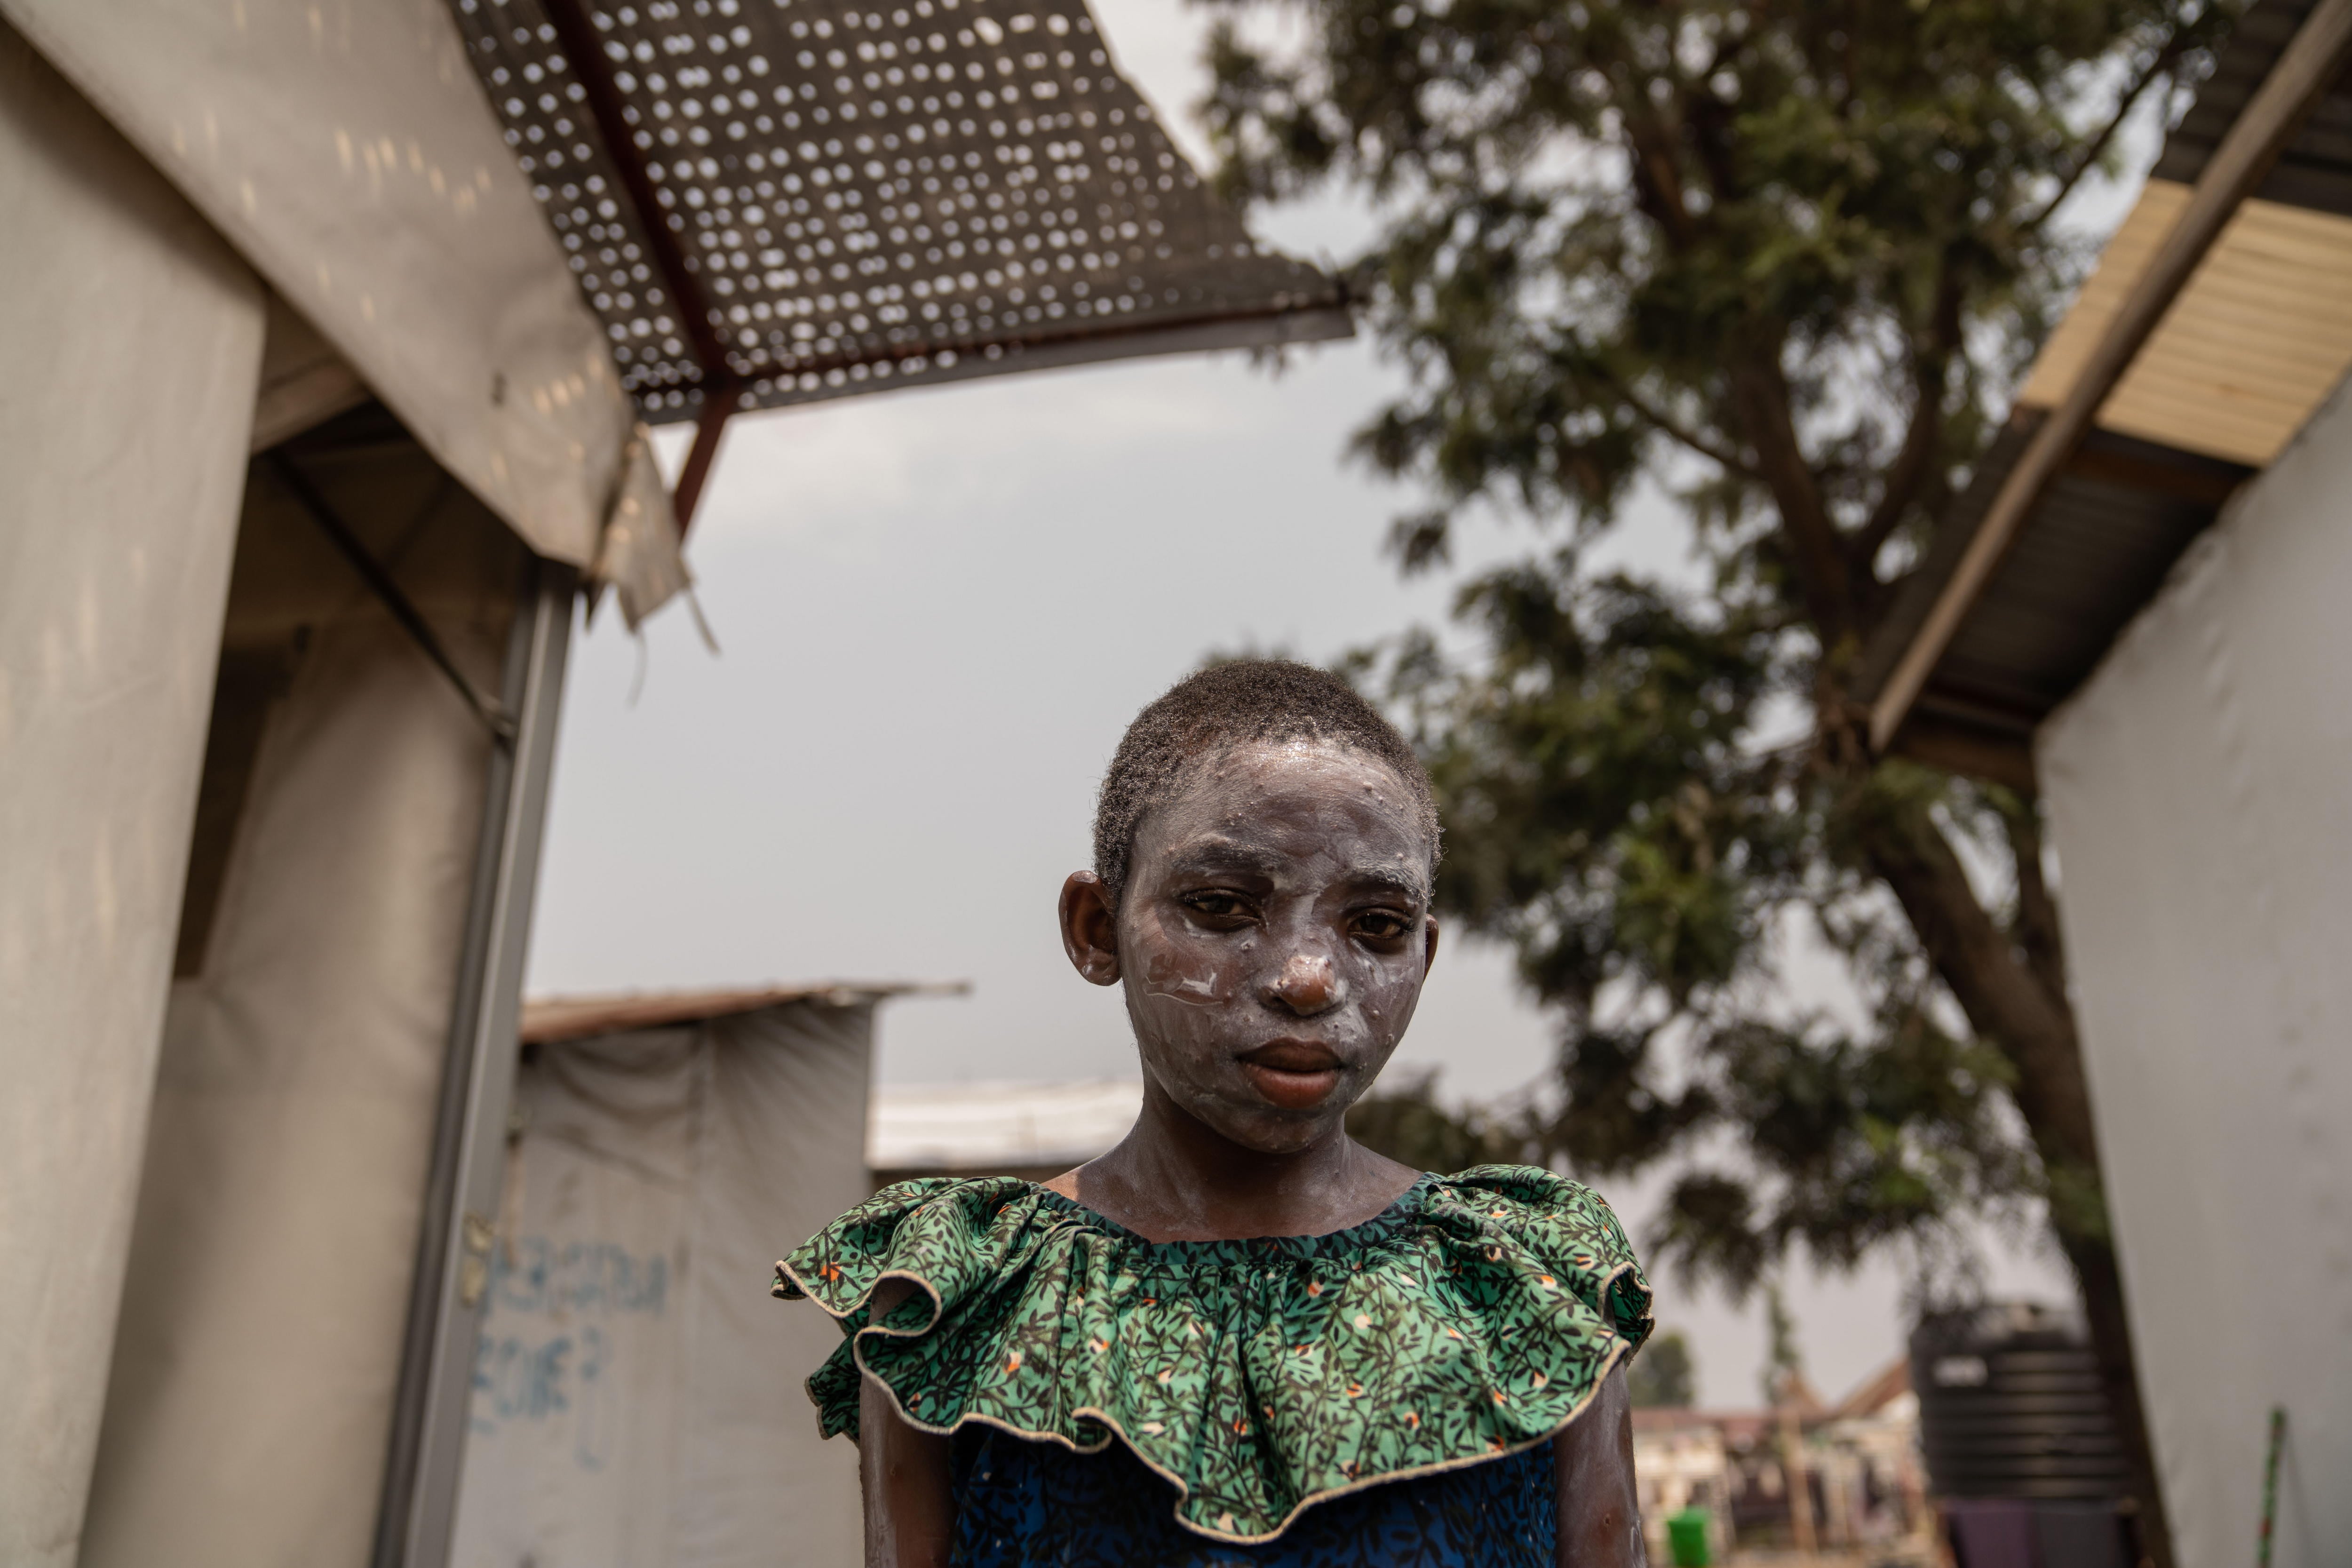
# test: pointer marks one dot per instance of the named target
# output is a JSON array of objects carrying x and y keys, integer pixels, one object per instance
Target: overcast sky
[{"x": 937, "y": 611}]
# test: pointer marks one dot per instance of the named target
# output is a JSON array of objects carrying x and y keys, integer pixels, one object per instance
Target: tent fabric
[
  {"x": 638, "y": 1396},
  {"x": 345, "y": 150},
  {"x": 132, "y": 338},
  {"x": 2200, "y": 814},
  {"x": 261, "y": 1331},
  {"x": 639, "y": 555},
  {"x": 304, "y": 381}
]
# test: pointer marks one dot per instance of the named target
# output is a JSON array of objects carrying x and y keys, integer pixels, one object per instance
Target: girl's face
[{"x": 1272, "y": 938}]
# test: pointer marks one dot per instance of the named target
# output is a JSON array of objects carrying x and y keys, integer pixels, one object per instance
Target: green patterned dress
[{"x": 1255, "y": 1380}]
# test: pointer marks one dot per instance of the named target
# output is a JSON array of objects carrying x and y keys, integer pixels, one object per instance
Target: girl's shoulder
[{"x": 1477, "y": 1317}]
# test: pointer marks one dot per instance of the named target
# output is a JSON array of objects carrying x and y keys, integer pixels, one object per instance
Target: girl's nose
[{"x": 1309, "y": 984}]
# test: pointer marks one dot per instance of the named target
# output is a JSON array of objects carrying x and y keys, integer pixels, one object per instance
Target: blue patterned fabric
[{"x": 1026, "y": 1504}]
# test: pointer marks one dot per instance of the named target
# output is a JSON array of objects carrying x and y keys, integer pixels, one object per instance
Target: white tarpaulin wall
[
  {"x": 250, "y": 1401},
  {"x": 160, "y": 163},
  {"x": 2201, "y": 787},
  {"x": 132, "y": 339},
  {"x": 345, "y": 150},
  {"x": 637, "y": 1398}
]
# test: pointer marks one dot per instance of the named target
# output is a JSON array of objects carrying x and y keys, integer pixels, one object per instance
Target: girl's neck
[{"x": 1173, "y": 1178}]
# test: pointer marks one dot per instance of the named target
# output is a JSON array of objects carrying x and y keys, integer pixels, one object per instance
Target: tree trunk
[
  {"x": 2029, "y": 1018},
  {"x": 2111, "y": 1343}
]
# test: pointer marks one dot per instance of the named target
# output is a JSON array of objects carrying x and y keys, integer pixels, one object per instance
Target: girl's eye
[
  {"x": 1380, "y": 926},
  {"x": 1220, "y": 905}
]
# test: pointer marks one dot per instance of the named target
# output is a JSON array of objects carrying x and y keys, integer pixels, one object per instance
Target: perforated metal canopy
[{"x": 784, "y": 200}]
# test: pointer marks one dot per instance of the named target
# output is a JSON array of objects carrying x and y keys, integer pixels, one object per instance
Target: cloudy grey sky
[{"x": 938, "y": 609}]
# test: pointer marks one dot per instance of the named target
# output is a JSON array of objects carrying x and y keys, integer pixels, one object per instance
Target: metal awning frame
[{"x": 724, "y": 377}]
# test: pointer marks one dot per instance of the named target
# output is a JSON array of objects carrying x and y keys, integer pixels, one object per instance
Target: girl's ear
[{"x": 1089, "y": 929}]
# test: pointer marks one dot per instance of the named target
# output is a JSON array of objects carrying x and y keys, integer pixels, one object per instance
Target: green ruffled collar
[
  {"x": 1476, "y": 1316},
  {"x": 1190, "y": 1256}
]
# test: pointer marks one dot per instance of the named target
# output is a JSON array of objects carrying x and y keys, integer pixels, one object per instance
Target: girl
[{"x": 1241, "y": 1337}]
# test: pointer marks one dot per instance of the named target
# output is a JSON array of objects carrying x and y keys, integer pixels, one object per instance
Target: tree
[
  {"x": 1662, "y": 1375},
  {"x": 1784, "y": 262},
  {"x": 1784, "y": 1364}
]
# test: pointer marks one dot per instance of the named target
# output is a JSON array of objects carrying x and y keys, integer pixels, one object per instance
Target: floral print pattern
[{"x": 1473, "y": 1320}]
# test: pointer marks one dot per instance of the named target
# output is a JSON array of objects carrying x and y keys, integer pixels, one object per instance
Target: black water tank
[{"x": 2010, "y": 1406}]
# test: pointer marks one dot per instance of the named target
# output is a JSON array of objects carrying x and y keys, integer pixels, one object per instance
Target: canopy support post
[
  {"x": 717, "y": 402},
  {"x": 496, "y": 719},
  {"x": 418, "y": 1514}
]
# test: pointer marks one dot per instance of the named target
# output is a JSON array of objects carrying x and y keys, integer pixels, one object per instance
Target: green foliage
[
  {"x": 1807, "y": 244},
  {"x": 1784, "y": 1364},
  {"x": 1404, "y": 1120},
  {"x": 1664, "y": 1375},
  {"x": 1607, "y": 814},
  {"x": 1784, "y": 263}
]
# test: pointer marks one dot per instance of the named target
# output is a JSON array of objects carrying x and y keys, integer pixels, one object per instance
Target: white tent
[
  {"x": 152, "y": 240},
  {"x": 638, "y": 1395},
  {"x": 2199, "y": 799},
  {"x": 329, "y": 325}
]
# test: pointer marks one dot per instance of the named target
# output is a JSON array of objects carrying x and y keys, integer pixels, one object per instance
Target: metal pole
[{"x": 428, "y": 1437}]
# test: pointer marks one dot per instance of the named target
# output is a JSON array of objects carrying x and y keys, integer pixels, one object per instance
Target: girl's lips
[
  {"x": 1292, "y": 1091},
  {"x": 1296, "y": 1075}
]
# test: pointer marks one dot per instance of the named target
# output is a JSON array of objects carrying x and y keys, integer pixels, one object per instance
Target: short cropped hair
[{"x": 1242, "y": 703}]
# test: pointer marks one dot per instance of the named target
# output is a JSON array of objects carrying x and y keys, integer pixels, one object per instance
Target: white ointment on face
[{"x": 1273, "y": 935}]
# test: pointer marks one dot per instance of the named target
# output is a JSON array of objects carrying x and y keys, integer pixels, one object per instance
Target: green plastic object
[{"x": 1687, "y": 1538}]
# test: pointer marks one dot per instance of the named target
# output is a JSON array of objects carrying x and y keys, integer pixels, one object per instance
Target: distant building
[
  {"x": 1682, "y": 1461},
  {"x": 1861, "y": 1463},
  {"x": 1033, "y": 1131},
  {"x": 636, "y": 1397}
]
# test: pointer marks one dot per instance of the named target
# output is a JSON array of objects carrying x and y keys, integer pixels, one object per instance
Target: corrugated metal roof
[
  {"x": 549, "y": 1019},
  {"x": 2095, "y": 549},
  {"x": 2098, "y": 546},
  {"x": 2316, "y": 170},
  {"x": 2258, "y": 338}
]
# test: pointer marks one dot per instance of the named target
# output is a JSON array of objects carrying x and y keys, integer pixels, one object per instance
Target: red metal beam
[
  {"x": 583, "y": 51},
  {"x": 708, "y": 427},
  {"x": 1021, "y": 341},
  {"x": 592, "y": 69}
]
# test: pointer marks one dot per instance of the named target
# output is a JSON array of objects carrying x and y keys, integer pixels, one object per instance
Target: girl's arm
[
  {"x": 1599, "y": 1512},
  {"x": 903, "y": 1475},
  {"x": 909, "y": 1510}
]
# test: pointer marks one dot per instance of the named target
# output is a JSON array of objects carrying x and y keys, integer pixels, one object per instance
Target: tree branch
[
  {"x": 2036, "y": 926},
  {"x": 1916, "y": 460},
  {"x": 1666, "y": 425},
  {"x": 2161, "y": 64},
  {"x": 1650, "y": 153},
  {"x": 2010, "y": 998},
  {"x": 2004, "y": 999},
  {"x": 1762, "y": 410}
]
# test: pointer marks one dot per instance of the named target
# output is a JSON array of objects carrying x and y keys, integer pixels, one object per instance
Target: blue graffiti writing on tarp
[
  {"x": 540, "y": 1275},
  {"x": 560, "y": 1377}
]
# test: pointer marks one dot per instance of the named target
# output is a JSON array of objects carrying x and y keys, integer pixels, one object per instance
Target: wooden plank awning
[
  {"x": 2261, "y": 333},
  {"x": 2073, "y": 520}
]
